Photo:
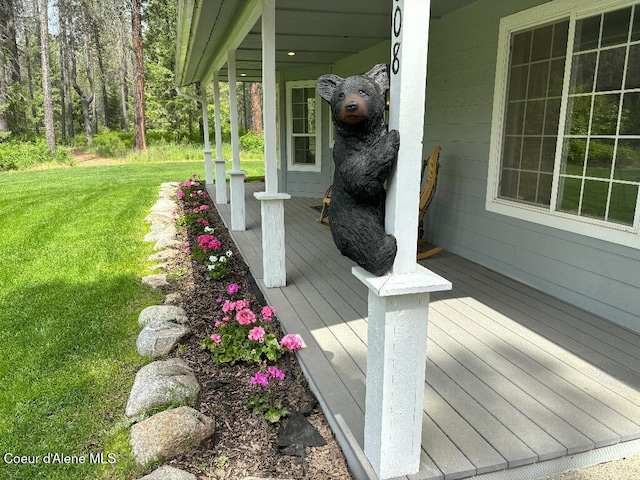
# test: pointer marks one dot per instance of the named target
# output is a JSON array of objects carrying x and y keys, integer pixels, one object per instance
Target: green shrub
[
  {"x": 21, "y": 155},
  {"x": 252, "y": 143}
]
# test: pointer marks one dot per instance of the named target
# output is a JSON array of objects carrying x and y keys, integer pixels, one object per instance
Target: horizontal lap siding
[{"x": 597, "y": 276}]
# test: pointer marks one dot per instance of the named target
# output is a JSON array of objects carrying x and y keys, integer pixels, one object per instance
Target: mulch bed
[{"x": 245, "y": 444}]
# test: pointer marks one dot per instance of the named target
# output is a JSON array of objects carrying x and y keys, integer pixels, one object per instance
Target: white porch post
[
  {"x": 208, "y": 167},
  {"x": 236, "y": 175},
  {"x": 399, "y": 301},
  {"x": 271, "y": 202},
  {"x": 205, "y": 126},
  {"x": 221, "y": 176}
]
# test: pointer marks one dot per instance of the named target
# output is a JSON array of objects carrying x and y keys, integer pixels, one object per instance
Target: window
[
  {"x": 303, "y": 121},
  {"x": 565, "y": 148}
]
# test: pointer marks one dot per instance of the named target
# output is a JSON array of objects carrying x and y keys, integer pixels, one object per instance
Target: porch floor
[{"x": 513, "y": 376}]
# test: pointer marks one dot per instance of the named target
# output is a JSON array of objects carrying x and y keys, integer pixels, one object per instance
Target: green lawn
[{"x": 71, "y": 257}]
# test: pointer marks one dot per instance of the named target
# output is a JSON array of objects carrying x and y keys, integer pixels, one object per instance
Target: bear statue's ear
[
  {"x": 327, "y": 84},
  {"x": 380, "y": 75}
]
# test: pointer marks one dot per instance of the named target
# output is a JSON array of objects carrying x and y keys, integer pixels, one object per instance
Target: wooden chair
[
  {"x": 431, "y": 165},
  {"x": 324, "y": 213}
]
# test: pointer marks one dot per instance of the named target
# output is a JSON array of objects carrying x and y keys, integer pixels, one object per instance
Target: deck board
[{"x": 514, "y": 376}]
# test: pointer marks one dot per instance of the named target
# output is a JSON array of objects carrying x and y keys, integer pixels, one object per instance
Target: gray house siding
[{"x": 598, "y": 276}]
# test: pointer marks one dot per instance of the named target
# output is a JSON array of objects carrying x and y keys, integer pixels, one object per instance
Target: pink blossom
[
  {"x": 185, "y": 247},
  {"x": 267, "y": 312},
  {"x": 180, "y": 193},
  {"x": 233, "y": 288},
  {"x": 204, "y": 207},
  {"x": 208, "y": 242},
  {"x": 216, "y": 338},
  {"x": 218, "y": 300},
  {"x": 245, "y": 317},
  {"x": 275, "y": 373},
  {"x": 256, "y": 334},
  {"x": 240, "y": 304},
  {"x": 260, "y": 379},
  {"x": 291, "y": 342}
]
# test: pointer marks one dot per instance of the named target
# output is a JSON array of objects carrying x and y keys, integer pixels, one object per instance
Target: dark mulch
[{"x": 245, "y": 444}]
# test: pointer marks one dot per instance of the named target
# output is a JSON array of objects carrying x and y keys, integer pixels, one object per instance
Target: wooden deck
[{"x": 514, "y": 376}]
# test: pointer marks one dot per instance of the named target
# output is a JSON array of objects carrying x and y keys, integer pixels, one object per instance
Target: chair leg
[{"x": 428, "y": 253}]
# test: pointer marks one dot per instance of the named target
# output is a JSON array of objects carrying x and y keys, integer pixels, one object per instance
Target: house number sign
[{"x": 397, "y": 28}]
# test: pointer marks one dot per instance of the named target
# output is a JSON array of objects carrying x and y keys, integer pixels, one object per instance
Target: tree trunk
[
  {"x": 46, "y": 79},
  {"x": 102, "y": 74},
  {"x": 4, "y": 126},
  {"x": 8, "y": 34},
  {"x": 139, "y": 137},
  {"x": 256, "y": 108},
  {"x": 85, "y": 100}
]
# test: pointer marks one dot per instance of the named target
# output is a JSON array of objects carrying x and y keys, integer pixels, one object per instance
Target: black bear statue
[{"x": 363, "y": 153}]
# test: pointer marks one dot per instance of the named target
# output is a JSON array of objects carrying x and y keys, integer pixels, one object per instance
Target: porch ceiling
[{"x": 320, "y": 32}]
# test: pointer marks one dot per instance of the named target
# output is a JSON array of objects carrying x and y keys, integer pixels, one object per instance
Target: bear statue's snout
[
  {"x": 354, "y": 110},
  {"x": 352, "y": 105}
]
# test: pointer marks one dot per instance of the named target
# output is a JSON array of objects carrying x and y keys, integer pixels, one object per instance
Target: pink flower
[
  {"x": 291, "y": 342},
  {"x": 218, "y": 300},
  {"x": 180, "y": 193},
  {"x": 260, "y": 379},
  {"x": 208, "y": 242},
  {"x": 240, "y": 304},
  {"x": 185, "y": 247},
  {"x": 245, "y": 317},
  {"x": 233, "y": 288},
  {"x": 204, "y": 207},
  {"x": 256, "y": 334},
  {"x": 267, "y": 312},
  {"x": 216, "y": 338},
  {"x": 275, "y": 373}
]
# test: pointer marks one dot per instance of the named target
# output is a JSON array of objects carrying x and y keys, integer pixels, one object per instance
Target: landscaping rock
[
  {"x": 162, "y": 383},
  {"x": 167, "y": 313},
  {"x": 164, "y": 205},
  {"x": 164, "y": 255},
  {"x": 162, "y": 233},
  {"x": 157, "y": 280},
  {"x": 159, "y": 266},
  {"x": 167, "y": 243},
  {"x": 170, "y": 434},
  {"x": 159, "y": 337},
  {"x": 157, "y": 218},
  {"x": 167, "y": 472},
  {"x": 173, "y": 299}
]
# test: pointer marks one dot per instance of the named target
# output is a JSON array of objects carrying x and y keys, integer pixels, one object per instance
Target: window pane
[
  {"x": 628, "y": 161},
  {"x": 600, "y": 158},
  {"x": 635, "y": 34},
  {"x": 633, "y": 68},
  {"x": 610, "y": 69},
  {"x": 528, "y": 186},
  {"x": 623, "y": 203},
  {"x": 515, "y": 118},
  {"x": 521, "y": 48},
  {"x": 538, "y": 79},
  {"x": 630, "y": 120},
  {"x": 509, "y": 184},
  {"x": 573, "y": 157},
  {"x": 535, "y": 117},
  {"x": 304, "y": 150},
  {"x": 518, "y": 82},
  {"x": 615, "y": 29},
  {"x": 582, "y": 73},
  {"x": 511, "y": 154},
  {"x": 605, "y": 114},
  {"x": 547, "y": 159},
  {"x": 541, "y": 48},
  {"x": 578, "y": 113},
  {"x": 587, "y": 32},
  {"x": 552, "y": 117},
  {"x": 569, "y": 194},
  {"x": 531, "y": 153},
  {"x": 594, "y": 198},
  {"x": 556, "y": 78},
  {"x": 560, "y": 35},
  {"x": 544, "y": 189}
]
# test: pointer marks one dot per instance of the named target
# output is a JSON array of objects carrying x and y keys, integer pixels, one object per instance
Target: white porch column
[
  {"x": 271, "y": 202},
  {"x": 237, "y": 175},
  {"x": 399, "y": 301},
  {"x": 221, "y": 176}
]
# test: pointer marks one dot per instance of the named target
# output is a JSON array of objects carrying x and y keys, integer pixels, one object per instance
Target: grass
[{"x": 72, "y": 254}]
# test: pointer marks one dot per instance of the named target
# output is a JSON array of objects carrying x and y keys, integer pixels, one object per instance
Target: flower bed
[{"x": 247, "y": 367}]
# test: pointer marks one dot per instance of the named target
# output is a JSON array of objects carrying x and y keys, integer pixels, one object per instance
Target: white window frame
[
  {"x": 538, "y": 16},
  {"x": 299, "y": 167}
]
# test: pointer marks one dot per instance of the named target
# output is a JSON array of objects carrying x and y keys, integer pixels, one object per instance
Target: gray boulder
[
  {"x": 169, "y": 434},
  {"x": 159, "y": 337},
  {"x": 162, "y": 383},
  {"x": 166, "y": 313},
  {"x": 157, "y": 280},
  {"x": 167, "y": 472}
]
